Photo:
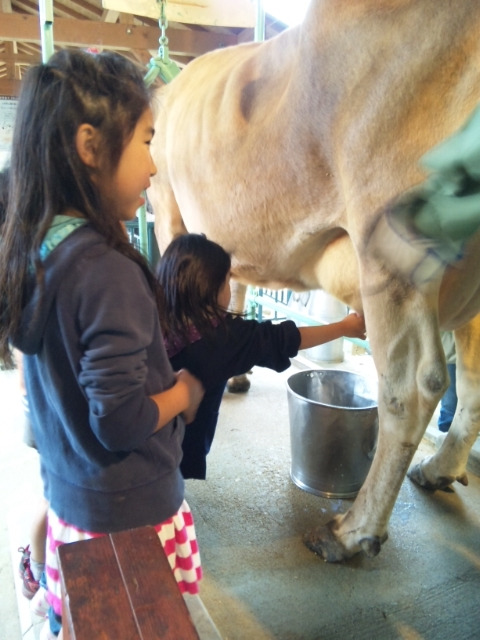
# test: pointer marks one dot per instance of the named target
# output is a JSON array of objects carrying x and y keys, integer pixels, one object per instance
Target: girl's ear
[{"x": 86, "y": 141}]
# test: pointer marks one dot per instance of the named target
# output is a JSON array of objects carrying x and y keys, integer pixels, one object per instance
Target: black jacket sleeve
[{"x": 237, "y": 347}]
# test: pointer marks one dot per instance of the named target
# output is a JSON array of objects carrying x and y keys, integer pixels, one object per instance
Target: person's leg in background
[{"x": 448, "y": 403}]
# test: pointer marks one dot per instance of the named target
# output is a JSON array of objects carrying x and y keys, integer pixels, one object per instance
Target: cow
[{"x": 286, "y": 151}]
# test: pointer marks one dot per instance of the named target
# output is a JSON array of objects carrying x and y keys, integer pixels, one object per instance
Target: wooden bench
[{"x": 121, "y": 587}]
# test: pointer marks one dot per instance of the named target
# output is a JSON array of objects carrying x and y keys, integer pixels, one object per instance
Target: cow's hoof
[
  {"x": 371, "y": 546},
  {"x": 324, "y": 543},
  {"x": 238, "y": 384},
  {"x": 417, "y": 475}
]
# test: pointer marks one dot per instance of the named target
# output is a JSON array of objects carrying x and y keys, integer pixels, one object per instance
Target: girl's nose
[{"x": 153, "y": 168}]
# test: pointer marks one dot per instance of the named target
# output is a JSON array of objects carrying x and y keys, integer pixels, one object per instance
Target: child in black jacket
[{"x": 200, "y": 335}]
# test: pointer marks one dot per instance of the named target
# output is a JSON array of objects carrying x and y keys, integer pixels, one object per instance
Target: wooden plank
[
  {"x": 121, "y": 587},
  {"x": 93, "y": 593},
  {"x": 9, "y": 87},
  {"x": 10, "y": 57},
  {"x": 151, "y": 586},
  {"x": 219, "y": 13}
]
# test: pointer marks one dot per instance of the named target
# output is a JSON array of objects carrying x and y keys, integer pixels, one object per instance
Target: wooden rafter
[{"x": 222, "y": 13}]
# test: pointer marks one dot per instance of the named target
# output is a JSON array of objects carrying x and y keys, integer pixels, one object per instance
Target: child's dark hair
[
  {"x": 191, "y": 273},
  {"x": 47, "y": 176}
]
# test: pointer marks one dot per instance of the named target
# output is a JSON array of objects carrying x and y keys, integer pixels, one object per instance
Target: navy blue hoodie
[{"x": 94, "y": 354}]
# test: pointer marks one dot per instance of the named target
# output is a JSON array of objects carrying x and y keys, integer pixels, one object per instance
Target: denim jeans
[{"x": 448, "y": 403}]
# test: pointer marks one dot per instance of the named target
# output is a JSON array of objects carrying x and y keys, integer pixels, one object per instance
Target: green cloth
[
  {"x": 446, "y": 207},
  {"x": 61, "y": 227}
]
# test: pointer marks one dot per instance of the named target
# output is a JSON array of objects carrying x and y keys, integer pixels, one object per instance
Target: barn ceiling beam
[
  {"x": 10, "y": 57},
  {"x": 9, "y": 87},
  {"x": 221, "y": 13},
  {"x": 85, "y": 33}
]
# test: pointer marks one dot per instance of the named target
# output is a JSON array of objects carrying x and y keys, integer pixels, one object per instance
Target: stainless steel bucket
[{"x": 333, "y": 431}]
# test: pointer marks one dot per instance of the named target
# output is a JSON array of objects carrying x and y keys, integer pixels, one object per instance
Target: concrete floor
[{"x": 261, "y": 582}]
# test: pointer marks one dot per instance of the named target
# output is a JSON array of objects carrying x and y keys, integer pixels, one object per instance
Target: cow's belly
[{"x": 285, "y": 257}]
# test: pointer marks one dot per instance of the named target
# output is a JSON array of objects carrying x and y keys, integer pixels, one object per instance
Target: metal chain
[{"x": 163, "y": 23}]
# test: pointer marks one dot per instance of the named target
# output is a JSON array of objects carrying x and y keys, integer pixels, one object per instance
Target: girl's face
[
  {"x": 122, "y": 192},
  {"x": 225, "y": 294}
]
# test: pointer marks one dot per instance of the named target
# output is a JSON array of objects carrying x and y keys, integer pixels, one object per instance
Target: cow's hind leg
[
  {"x": 402, "y": 329},
  {"x": 449, "y": 463}
]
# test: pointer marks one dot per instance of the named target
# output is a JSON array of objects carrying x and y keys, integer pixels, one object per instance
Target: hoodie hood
[{"x": 39, "y": 302}]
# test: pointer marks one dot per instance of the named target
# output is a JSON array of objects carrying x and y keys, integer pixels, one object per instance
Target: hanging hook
[{"x": 161, "y": 65}]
